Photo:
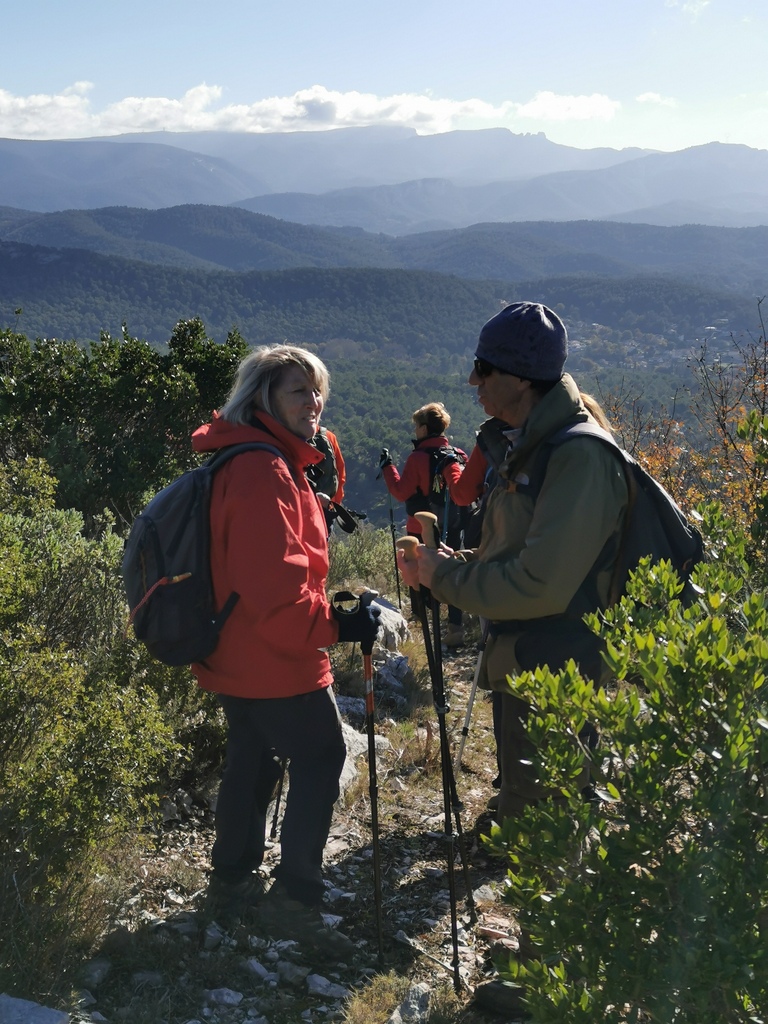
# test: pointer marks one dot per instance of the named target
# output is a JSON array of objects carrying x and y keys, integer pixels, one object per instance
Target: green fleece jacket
[{"x": 536, "y": 558}]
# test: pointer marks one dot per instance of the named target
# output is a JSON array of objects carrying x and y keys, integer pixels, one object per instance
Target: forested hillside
[
  {"x": 414, "y": 316},
  {"x": 115, "y": 418},
  {"x": 230, "y": 238}
]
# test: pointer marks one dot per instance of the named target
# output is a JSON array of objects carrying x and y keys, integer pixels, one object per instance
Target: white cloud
[
  {"x": 692, "y": 7},
  {"x": 69, "y": 114},
  {"x": 549, "y": 106},
  {"x": 656, "y": 98},
  {"x": 46, "y": 117}
]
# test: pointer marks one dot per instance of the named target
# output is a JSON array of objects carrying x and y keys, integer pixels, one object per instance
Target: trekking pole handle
[
  {"x": 345, "y": 602},
  {"x": 408, "y": 546},
  {"x": 429, "y": 529}
]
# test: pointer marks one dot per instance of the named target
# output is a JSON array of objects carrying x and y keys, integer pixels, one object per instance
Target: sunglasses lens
[{"x": 483, "y": 368}]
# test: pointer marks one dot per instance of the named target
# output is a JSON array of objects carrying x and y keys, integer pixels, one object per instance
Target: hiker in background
[
  {"x": 270, "y": 670},
  {"x": 328, "y": 476},
  {"x": 430, "y": 471}
]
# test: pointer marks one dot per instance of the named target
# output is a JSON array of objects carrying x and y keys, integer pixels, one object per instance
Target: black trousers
[{"x": 305, "y": 730}]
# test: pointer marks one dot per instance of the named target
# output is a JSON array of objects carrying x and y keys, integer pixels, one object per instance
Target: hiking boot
[
  {"x": 501, "y": 997},
  {"x": 454, "y": 636},
  {"x": 229, "y": 902},
  {"x": 286, "y": 918},
  {"x": 493, "y": 803}
]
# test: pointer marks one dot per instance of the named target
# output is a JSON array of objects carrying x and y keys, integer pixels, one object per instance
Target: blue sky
[{"x": 660, "y": 74}]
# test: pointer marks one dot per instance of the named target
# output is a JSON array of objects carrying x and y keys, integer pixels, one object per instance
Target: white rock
[
  {"x": 151, "y": 979},
  {"x": 256, "y": 967},
  {"x": 222, "y": 996},
  {"x": 22, "y": 1011},
  {"x": 212, "y": 936},
  {"x": 414, "y": 1007},
  {"x": 290, "y": 973},
  {"x": 394, "y": 628},
  {"x": 95, "y": 971},
  {"x": 317, "y": 985}
]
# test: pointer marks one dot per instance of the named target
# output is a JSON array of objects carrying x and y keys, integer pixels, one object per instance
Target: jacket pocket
[{"x": 500, "y": 660}]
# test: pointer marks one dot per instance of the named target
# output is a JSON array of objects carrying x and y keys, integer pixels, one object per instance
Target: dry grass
[
  {"x": 376, "y": 1002},
  {"x": 50, "y": 925}
]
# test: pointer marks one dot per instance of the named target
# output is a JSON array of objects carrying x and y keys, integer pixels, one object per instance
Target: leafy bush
[
  {"x": 79, "y": 743},
  {"x": 362, "y": 558},
  {"x": 112, "y": 420},
  {"x": 649, "y": 904}
]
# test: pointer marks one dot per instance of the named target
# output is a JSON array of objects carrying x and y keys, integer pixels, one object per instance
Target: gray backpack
[{"x": 167, "y": 570}]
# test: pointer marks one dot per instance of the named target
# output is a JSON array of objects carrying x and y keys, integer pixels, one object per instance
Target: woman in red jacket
[
  {"x": 270, "y": 670},
  {"x": 415, "y": 486}
]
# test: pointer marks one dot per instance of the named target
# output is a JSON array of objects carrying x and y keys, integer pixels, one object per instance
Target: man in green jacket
[
  {"x": 550, "y": 532},
  {"x": 549, "y": 540}
]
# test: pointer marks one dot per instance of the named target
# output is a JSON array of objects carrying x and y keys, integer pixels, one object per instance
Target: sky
[{"x": 658, "y": 74}]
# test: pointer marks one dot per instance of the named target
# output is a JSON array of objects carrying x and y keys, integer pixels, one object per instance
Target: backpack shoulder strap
[
  {"x": 217, "y": 460},
  {"x": 569, "y": 432}
]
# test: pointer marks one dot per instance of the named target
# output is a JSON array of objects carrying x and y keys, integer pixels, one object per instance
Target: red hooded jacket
[
  {"x": 268, "y": 543},
  {"x": 416, "y": 475}
]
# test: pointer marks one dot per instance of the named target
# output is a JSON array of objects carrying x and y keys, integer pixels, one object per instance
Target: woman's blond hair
[
  {"x": 258, "y": 373},
  {"x": 595, "y": 410}
]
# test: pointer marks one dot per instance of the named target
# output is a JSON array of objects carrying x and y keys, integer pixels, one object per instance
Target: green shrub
[
  {"x": 362, "y": 558},
  {"x": 80, "y": 745},
  {"x": 649, "y": 905}
]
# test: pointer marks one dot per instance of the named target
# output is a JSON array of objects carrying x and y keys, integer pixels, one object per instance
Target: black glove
[
  {"x": 343, "y": 517},
  {"x": 361, "y": 623},
  {"x": 384, "y": 458}
]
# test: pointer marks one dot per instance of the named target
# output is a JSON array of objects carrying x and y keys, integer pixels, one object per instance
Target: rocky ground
[{"x": 167, "y": 961}]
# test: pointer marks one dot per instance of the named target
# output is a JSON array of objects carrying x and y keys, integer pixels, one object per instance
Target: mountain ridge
[{"x": 436, "y": 181}]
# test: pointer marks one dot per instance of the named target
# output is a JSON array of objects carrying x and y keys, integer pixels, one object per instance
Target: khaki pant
[{"x": 520, "y": 785}]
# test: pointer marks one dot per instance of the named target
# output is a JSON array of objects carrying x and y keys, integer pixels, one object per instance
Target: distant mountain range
[
  {"x": 390, "y": 179},
  {"x": 713, "y": 184},
  {"x": 216, "y": 238}
]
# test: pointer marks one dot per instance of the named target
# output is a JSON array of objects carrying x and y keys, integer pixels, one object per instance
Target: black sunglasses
[{"x": 484, "y": 369}]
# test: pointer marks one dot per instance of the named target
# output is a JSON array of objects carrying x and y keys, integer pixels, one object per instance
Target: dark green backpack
[{"x": 655, "y": 524}]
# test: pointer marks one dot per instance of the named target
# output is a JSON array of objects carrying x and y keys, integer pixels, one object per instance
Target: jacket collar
[
  {"x": 220, "y": 433},
  {"x": 559, "y": 406},
  {"x": 430, "y": 441}
]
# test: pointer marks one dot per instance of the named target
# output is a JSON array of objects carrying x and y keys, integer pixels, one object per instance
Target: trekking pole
[
  {"x": 471, "y": 701},
  {"x": 430, "y": 532},
  {"x": 393, "y": 531},
  {"x": 446, "y": 517},
  {"x": 348, "y": 608},
  {"x": 278, "y": 797},
  {"x": 408, "y": 546},
  {"x": 431, "y": 535},
  {"x": 373, "y": 789}
]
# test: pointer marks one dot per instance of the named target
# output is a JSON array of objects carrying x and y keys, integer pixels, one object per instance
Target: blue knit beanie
[{"x": 526, "y": 339}]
